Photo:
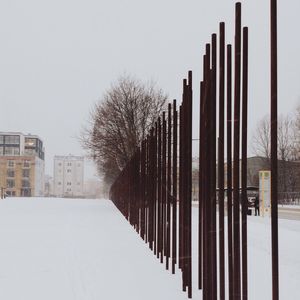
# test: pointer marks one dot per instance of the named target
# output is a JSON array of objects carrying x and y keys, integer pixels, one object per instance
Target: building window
[
  {"x": 12, "y": 140},
  {"x": 69, "y": 164},
  {"x": 59, "y": 164},
  {"x": 69, "y": 170},
  {"x": 26, "y": 173},
  {"x": 69, "y": 190},
  {"x": 1, "y": 150},
  {"x": 10, "y": 173},
  {"x": 1, "y": 139},
  {"x": 30, "y": 142},
  {"x": 12, "y": 151},
  {"x": 25, "y": 183},
  {"x": 59, "y": 183},
  {"x": 30, "y": 152},
  {"x": 16, "y": 151},
  {"x": 78, "y": 183},
  {"x": 10, "y": 183},
  {"x": 11, "y": 164},
  {"x": 69, "y": 183},
  {"x": 26, "y": 164},
  {"x": 11, "y": 193}
]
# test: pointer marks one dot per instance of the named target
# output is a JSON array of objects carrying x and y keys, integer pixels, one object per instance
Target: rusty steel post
[
  {"x": 236, "y": 154},
  {"x": 221, "y": 160},
  {"x": 164, "y": 184},
  {"x": 201, "y": 195},
  {"x": 168, "y": 199},
  {"x": 151, "y": 188},
  {"x": 143, "y": 175},
  {"x": 207, "y": 271},
  {"x": 159, "y": 189},
  {"x": 229, "y": 172},
  {"x": 147, "y": 193},
  {"x": 244, "y": 165},
  {"x": 174, "y": 196},
  {"x": 155, "y": 188},
  {"x": 213, "y": 167},
  {"x": 180, "y": 189},
  {"x": 189, "y": 169},
  {"x": 184, "y": 188},
  {"x": 274, "y": 158}
]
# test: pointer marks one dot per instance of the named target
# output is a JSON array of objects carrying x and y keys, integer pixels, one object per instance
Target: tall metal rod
[
  {"x": 143, "y": 175},
  {"x": 244, "y": 165},
  {"x": 164, "y": 184},
  {"x": 189, "y": 169},
  {"x": 168, "y": 211},
  {"x": 159, "y": 189},
  {"x": 180, "y": 261},
  {"x": 174, "y": 202},
  {"x": 221, "y": 160},
  {"x": 152, "y": 187},
  {"x": 147, "y": 192},
  {"x": 184, "y": 188},
  {"x": 207, "y": 271},
  {"x": 229, "y": 171},
  {"x": 274, "y": 158},
  {"x": 201, "y": 196},
  {"x": 213, "y": 167},
  {"x": 155, "y": 189},
  {"x": 236, "y": 154}
]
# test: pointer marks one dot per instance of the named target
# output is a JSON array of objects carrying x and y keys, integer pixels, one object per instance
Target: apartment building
[
  {"x": 68, "y": 176},
  {"x": 22, "y": 164}
]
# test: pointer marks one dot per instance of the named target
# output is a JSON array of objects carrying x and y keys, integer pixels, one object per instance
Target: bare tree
[
  {"x": 261, "y": 138},
  {"x": 286, "y": 149},
  {"x": 296, "y": 134},
  {"x": 119, "y": 122}
]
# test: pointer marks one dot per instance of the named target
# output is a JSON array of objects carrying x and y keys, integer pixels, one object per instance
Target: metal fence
[{"x": 154, "y": 191}]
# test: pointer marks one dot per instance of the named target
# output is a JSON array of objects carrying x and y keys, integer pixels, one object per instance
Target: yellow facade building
[{"x": 21, "y": 165}]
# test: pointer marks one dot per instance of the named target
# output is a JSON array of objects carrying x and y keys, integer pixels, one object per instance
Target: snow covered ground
[{"x": 67, "y": 249}]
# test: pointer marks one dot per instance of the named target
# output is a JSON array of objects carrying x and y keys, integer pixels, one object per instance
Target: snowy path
[
  {"x": 58, "y": 249},
  {"x": 76, "y": 250}
]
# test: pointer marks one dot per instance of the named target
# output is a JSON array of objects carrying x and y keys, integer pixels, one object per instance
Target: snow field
[{"x": 73, "y": 249}]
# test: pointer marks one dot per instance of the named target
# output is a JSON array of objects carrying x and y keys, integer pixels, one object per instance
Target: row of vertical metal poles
[
  {"x": 146, "y": 191},
  {"x": 237, "y": 238}
]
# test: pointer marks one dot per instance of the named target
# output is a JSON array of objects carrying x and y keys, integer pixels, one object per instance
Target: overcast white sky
[{"x": 58, "y": 57}]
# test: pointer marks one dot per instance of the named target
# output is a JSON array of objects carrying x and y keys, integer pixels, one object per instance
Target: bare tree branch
[{"x": 120, "y": 122}]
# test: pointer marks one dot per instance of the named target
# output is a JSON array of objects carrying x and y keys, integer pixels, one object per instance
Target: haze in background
[{"x": 58, "y": 57}]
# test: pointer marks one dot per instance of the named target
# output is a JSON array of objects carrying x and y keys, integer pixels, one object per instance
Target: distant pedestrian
[{"x": 256, "y": 204}]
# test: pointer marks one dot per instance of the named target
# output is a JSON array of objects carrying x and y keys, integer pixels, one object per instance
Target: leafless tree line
[
  {"x": 288, "y": 148},
  {"x": 119, "y": 122}
]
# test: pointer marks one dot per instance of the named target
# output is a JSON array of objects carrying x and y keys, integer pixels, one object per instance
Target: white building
[{"x": 68, "y": 176}]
